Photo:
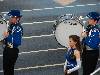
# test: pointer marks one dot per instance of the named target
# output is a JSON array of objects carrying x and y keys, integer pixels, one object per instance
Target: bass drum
[
  {"x": 3, "y": 28},
  {"x": 65, "y": 28}
]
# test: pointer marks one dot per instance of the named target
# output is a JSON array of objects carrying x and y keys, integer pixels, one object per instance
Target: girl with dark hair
[{"x": 73, "y": 62}]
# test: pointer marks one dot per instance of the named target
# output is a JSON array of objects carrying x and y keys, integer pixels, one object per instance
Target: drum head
[
  {"x": 3, "y": 28},
  {"x": 65, "y": 29}
]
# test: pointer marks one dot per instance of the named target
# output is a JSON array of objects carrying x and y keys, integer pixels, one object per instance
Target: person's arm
[
  {"x": 65, "y": 70},
  {"x": 77, "y": 54},
  {"x": 5, "y": 34},
  {"x": 17, "y": 36},
  {"x": 65, "y": 64},
  {"x": 83, "y": 33},
  {"x": 94, "y": 36}
]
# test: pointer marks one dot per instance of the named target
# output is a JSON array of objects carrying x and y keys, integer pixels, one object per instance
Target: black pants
[
  {"x": 89, "y": 61},
  {"x": 10, "y": 56}
]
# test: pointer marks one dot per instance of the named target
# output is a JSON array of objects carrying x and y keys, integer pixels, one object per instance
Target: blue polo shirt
[
  {"x": 93, "y": 38},
  {"x": 15, "y": 34}
]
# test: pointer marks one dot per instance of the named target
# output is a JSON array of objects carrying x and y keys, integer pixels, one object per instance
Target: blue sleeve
[
  {"x": 93, "y": 40},
  {"x": 17, "y": 36},
  {"x": 9, "y": 38}
]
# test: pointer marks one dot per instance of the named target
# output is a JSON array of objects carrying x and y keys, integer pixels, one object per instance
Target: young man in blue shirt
[
  {"x": 12, "y": 41},
  {"x": 91, "y": 43}
]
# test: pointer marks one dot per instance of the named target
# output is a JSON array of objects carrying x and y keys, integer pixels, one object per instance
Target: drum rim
[
  {"x": 4, "y": 20},
  {"x": 68, "y": 19}
]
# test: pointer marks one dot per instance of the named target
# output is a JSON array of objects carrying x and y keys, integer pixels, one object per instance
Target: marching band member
[
  {"x": 12, "y": 41},
  {"x": 73, "y": 62},
  {"x": 91, "y": 44}
]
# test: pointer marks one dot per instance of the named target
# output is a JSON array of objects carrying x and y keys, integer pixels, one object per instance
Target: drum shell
[
  {"x": 3, "y": 28},
  {"x": 66, "y": 28}
]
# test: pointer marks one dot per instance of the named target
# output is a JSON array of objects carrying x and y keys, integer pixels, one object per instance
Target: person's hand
[
  {"x": 68, "y": 72},
  {"x": 5, "y": 34},
  {"x": 84, "y": 34}
]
